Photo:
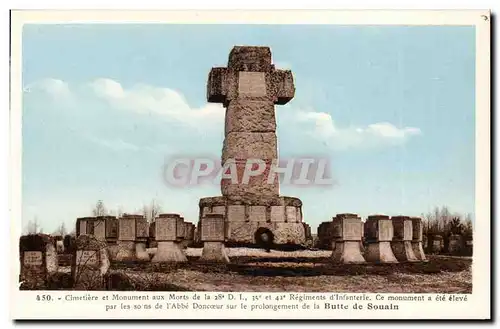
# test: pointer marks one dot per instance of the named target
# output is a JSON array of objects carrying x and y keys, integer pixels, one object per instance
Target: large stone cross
[{"x": 249, "y": 87}]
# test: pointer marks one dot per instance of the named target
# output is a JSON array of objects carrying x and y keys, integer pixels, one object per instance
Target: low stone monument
[
  {"x": 378, "y": 236},
  {"x": 437, "y": 243},
  {"x": 166, "y": 235},
  {"x": 416, "y": 242},
  {"x": 401, "y": 242},
  {"x": 213, "y": 230},
  {"x": 347, "y": 232},
  {"x": 38, "y": 259},
  {"x": 455, "y": 244},
  {"x": 90, "y": 263}
]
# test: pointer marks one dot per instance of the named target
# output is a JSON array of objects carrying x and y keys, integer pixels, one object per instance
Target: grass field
[{"x": 301, "y": 271}]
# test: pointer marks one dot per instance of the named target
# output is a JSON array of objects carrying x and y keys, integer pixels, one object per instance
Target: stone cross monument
[{"x": 249, "y": 88}]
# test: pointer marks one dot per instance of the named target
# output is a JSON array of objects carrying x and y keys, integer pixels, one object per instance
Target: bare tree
[
  {"x": 99, "y": 209},
  {"x": 33, "y": 226},
  {"x": 151, "y": 211}
]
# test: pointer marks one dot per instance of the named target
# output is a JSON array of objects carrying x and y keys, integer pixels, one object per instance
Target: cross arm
[
  {"x": 217, "y": 85},
  {"x": 285, "y": 88}
]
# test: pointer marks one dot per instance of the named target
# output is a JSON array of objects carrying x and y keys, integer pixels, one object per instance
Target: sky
[{"x": 105, "y": 107}]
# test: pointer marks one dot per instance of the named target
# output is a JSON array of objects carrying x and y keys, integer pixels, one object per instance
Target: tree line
[{"x": 149, "y": 211}]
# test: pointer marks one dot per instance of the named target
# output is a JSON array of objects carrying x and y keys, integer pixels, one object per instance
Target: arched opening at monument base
[{"x": 264, "y": 238}]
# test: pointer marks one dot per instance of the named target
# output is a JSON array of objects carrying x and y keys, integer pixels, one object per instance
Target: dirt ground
[{"x": 300, "y": 271}]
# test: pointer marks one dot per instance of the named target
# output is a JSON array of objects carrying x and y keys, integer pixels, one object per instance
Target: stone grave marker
[
  {"x": 347, "y": 231},
  {"x": 378, "y": 236},
  {"x": 213, "y": 236},
  {"x": 401, "y": 242}
]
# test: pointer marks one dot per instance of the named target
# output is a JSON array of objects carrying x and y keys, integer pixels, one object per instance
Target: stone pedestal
[
  {"x": 417, "y": 239},
  {"x": 90, "y": 263},
  {"x": 140, "y": 251},
  {"x": 437, "y": 244},
  {"x": 347, "y": 232},
  {"x": 38, "y": 259},
  {"x": 401, "y": 242},
  {"x": 85, "y": 226},
  {"x": 213, "y": 236},
  {"x": 378, "y": 234},
  {"x": 166, "y": 234}
]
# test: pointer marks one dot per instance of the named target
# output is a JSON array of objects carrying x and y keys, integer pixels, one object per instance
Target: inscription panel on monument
[
  {"x": 352, "y": 230},
  {"x": 127, "y": 229},
  {"x": 166, "y": 229},
  {"x": 87, "y": 257},
  {"x": 33, "y": 258},
  {"x": 212, "y": 229},
  {"x": 252, "y": 84},
  {"x": 408, "y": 230}
]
